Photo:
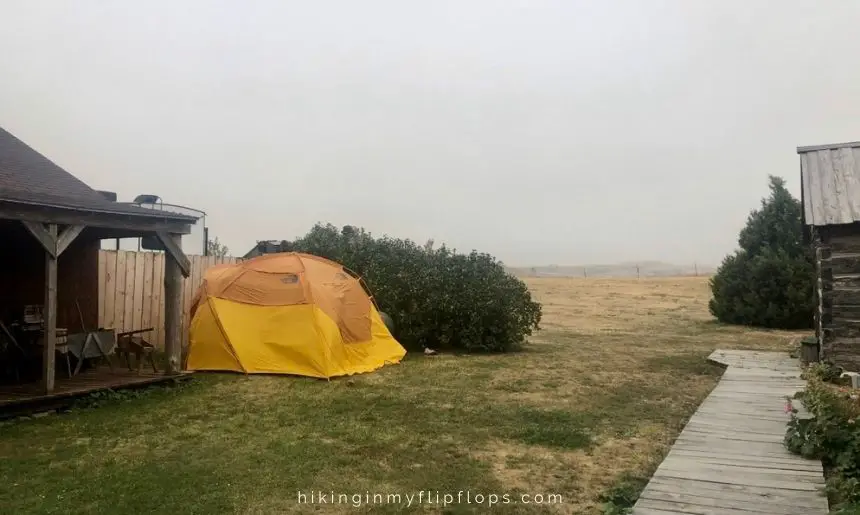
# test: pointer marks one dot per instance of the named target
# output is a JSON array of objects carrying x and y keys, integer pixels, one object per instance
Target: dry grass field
[
  {"x": 643, "y": 345},
  {"x": 592, "y": 404}
]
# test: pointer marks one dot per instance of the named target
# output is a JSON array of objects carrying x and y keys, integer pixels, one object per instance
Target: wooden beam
[
  {"x": 49, "y": 314},
  {"x": 100, "y": 233},
  {"x": 140, "y": 223},
  {"x": 173, "y": 247},
  {"x": 43, "y": 236},
  {"x": 68, "y": 236},
  {"x": 845, "y": 264},
  {"x": 173, "y": 310},
  {"x": 814, "y": 148}
]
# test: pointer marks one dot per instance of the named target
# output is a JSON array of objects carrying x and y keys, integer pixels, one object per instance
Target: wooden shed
[
  {"x": 51, "y": 225},
  {"x": 830, "y": 193},
  {"x": 264, "y": 247}
]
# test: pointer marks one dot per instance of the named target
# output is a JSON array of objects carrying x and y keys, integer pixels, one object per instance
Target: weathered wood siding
[
  {"x": 819, "y": 302},
  {"x": 830, "y": 184},
  {"x": 839, "y": 275}
]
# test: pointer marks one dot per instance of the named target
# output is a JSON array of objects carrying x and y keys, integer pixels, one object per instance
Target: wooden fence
[{"x": 131, "y": 290}]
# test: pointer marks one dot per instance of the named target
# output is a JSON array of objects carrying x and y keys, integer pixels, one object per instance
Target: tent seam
[
  {"x": 224, "y": 334},
  {"x": 310, "y": 299}
]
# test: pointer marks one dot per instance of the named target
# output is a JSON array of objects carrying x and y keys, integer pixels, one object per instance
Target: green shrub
[
  {"x": 847, "y": 509},
  {"x": 769, "y": 281},
  {"x": 832, "y": 435},
  {"x": 825, "y": 371},
  {"x": 437, "y": 298},
  {"x": 621, "y": 497}
]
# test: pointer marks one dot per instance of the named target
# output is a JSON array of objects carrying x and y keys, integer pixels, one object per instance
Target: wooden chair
[
  {"x": 33, "y": 314},
  {"x": 131, "y": 342}
]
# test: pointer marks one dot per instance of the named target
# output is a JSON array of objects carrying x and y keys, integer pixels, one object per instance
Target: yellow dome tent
[{"x": 287, "y": 313}]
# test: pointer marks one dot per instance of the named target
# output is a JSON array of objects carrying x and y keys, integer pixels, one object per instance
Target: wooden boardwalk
[{"x": 730, "y": 459}]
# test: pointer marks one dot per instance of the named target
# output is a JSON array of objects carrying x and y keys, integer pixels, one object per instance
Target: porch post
[
  {"x": 50, "y": 313},
  {"x": 172, "y": 309},
  {"x": 54, "y": 245}
]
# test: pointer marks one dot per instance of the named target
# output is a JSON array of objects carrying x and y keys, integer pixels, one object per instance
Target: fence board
[
  {"x": 197, "y": 273},
  {"x": 186, "y": 295},
  {"x": 119, "y": 300},
  {"x": 131, "y": 290},
  {"x": 146, "y": 298},
  {"x": 130, "y": 275},
  {"x": 157, "y": 300},
  {"x": 139, "y": 287},
  {"x": 186, "y": 285},
  {"x": 102, "y": 278},
  {"x": 107, "y": 296}
]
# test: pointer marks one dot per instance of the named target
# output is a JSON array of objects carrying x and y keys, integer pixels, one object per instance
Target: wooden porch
[
  {"x": 29, "y": 397},
  {"x": 51, "y": 225}
]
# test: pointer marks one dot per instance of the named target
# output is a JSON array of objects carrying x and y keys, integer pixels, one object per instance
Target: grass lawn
[{"x": 593, "y": 402}]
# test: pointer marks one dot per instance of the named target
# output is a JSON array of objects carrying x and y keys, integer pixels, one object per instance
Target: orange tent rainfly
[{"x": 287, "y": 313}]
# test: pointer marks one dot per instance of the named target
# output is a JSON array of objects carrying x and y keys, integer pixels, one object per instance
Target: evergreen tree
[{"x": 769, "y": 281}]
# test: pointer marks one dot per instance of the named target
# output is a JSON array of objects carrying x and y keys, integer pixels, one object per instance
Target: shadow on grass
[{"x": 689, "y": 363}]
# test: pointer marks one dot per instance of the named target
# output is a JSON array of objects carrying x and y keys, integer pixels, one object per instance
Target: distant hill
[{"x": 646, "y": 269}]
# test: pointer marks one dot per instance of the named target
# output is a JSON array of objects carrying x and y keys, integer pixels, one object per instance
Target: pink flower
[{"x": 788, "y": 407}]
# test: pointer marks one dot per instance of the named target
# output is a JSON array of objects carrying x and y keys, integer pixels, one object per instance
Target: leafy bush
[
  {"x": 621, "y": 497},
  {"x": 853, "y": 509},
  {"x": 436, "y": 297},
  {"x": 769, "y": 281},
  {"x": 832, "y": 435},
  {"x": 825, "y": 371}
]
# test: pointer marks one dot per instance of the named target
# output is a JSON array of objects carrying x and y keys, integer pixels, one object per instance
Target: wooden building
[
  {"x": 830, "y": 193},
  {"x": 51, "y": 225},
  {"x": 264, "y": 247}
]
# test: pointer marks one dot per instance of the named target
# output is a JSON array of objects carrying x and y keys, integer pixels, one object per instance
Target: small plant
[
  {"x": 846, "y": 509},
  {"x": 825, "y": 371},
  {"x": 621, "y": 497},
  {"x": 832, "y": 435}
]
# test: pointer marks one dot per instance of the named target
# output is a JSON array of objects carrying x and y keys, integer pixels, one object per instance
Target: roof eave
[
  {"x": 160, "y": 213},
  {"x": 833, "y": 146},
  {"x": 137, "y": 212},
  {"x": 99, "y": 218}
]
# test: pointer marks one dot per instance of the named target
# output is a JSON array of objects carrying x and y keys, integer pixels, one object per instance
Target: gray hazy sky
[{"x": 540, "y": 131}]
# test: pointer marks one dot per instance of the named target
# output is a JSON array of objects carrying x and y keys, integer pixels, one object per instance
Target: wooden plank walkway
[{"x": 730, "y": 459}]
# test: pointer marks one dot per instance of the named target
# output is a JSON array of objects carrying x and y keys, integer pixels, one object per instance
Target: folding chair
[{"x": 131, "y": 342}]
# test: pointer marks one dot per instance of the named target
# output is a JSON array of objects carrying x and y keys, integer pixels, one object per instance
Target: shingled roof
[{"x": 28, "y": 177}]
